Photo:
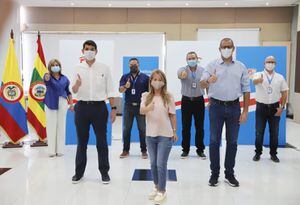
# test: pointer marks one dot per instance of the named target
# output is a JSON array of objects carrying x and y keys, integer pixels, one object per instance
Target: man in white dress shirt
[
  {"x": 93, "y": 85},
  {"x": 271, "y": 94}
]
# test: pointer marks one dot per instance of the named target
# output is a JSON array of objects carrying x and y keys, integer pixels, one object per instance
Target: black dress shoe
[
  {"x": 231, "y": 180},
  {"x": 213, "y": 181},
  {"x": 274, "y": 158},
  {"x": 105, "y": 178},
  {"x": 201, "y": 155},
  {"x": 76, "y": 179},
  {"x": 184, "y": 155},
  {"x": 256, "y": 157}
]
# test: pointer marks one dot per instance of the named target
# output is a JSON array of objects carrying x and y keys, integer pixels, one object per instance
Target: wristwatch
[{"x": 113, "y": 107}]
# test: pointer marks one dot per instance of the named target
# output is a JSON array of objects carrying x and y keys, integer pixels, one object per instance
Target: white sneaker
[
  {"x": 160, "y": 197},
  {"x": 152, "y": 194}
]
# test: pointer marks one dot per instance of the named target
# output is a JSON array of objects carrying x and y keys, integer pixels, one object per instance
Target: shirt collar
[
  {"x": 221, "y": 62},
  {"x": 84, "y": 63},
  {"x": 188, "y": 67}
]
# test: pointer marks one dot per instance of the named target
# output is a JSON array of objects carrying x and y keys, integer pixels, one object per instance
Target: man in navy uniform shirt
[{"x": 133, "y": 84}]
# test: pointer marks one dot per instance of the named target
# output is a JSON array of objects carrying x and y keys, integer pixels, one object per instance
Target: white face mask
[
  {"x": 89, "y": 55},
  {"x": 270, "y": 66},
  {"x": 157, "y": 84},
  {"x": 226, "y": 52}
]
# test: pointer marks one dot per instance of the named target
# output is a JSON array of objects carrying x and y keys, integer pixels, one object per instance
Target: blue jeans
[
  {"x": 218, "y": 115},
  {"x": 131, "y": 112},
  {"x": 159, "y": 149}
]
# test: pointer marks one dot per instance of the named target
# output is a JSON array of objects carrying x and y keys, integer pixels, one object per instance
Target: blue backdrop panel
[
  {"x": 71, "y": 137},
  {"x": 147, "y": 65},
  {"x": 253, "y": 57}
]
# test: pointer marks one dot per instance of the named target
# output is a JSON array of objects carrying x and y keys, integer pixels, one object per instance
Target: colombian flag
[
  {"x": 12, "y": 102},
  {"x": 36, "y": 107}
]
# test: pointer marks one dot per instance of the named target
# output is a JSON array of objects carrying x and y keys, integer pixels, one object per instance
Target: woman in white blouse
[{"x": 159, "y": 107}]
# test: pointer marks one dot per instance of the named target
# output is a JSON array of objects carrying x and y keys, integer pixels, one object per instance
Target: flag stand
[
  {"x": 39, "y": 143},
  {"x": 12, "y": 145}
]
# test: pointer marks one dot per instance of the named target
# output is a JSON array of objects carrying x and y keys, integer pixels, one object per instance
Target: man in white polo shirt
[{"x": 271, "y": 94}]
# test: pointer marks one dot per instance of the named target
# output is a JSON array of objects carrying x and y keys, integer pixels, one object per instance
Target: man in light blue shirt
[
  {"x": 192, "y": 105},
  {"x": 227, "y": 80}
]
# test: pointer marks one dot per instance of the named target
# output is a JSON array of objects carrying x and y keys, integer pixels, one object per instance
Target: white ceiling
[{"x": 158, "y": 3}]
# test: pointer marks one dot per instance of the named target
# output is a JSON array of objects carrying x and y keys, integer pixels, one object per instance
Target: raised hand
[
  {"x": 183, "y": 74},
  {"x": 78, "y": 81},
  {"x": 127, "y": 85},
  {"x": 213, "y": 78},
  {"x": 47, "y": 77},
  {"x": 261, "y": 79}
]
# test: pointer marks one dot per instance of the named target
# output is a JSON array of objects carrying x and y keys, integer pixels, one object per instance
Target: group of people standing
[{"x": 148, "y": 100}]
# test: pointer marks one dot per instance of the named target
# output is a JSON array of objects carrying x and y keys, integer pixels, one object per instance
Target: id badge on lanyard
[
  {"x": 132, "y": 91},
  {"x": 194, "y": 85}
]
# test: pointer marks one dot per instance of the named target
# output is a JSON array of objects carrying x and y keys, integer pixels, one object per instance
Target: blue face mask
[
  {"x": 55, "y": 69},
  {"x": 192, "y": 63}
]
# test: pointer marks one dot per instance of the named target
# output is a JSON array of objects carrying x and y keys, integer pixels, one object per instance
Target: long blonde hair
[{"x": 164, "y": 93}]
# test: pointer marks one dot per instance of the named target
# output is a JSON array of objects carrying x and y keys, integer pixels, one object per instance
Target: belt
[
  {"x": 192, "y": 98},
  {"x": 226, "y": 103},
  {"x": 134, "y": 104},
  {"x": 90, "y": 102},
  {"x": 269, "y": 105}
]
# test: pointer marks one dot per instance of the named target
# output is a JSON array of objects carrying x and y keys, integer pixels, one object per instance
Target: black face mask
[{"x": 133, "y": 69}]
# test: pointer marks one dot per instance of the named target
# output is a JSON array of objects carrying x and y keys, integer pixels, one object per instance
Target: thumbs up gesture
[
  {"x": 150, "y": 107},
  {"x": 213, "y": 78},
  {"x": 47, "y": 77},
  {"x": 183, "y": 74},
  {"x": 78, "y": 81},
  {"x": 261, "y": 79},
  {"x": 127, "y": 85}
]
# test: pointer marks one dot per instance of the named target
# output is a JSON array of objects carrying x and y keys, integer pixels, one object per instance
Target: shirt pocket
[{"x": 100, "y": 79}]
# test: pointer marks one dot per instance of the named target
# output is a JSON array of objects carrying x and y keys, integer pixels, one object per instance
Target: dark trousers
[
  {"x": 95, "y": 114},
  {"x": 218, "y": 115},
  {"x": 192, "y": 108},
  {"x": 131, "y": 112},
  {"x": 266, "y": 113}
]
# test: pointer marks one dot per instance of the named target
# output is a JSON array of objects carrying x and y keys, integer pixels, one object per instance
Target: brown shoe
[
  {"x": 144, "y": 155},
  {"x": 124, "y": 154}
]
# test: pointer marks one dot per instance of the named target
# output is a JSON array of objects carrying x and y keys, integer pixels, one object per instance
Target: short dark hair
[
  {"x": 192, "y": 53},
  {"x": 134, "y": 59},
  {"x": 226, "y": 40},
  {"x": 89, "y": 43}
]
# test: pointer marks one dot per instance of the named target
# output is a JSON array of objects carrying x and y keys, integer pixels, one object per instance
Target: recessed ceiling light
[
  {"x": 148, "y": 4},
  {"x": 187, "y": 4},
  {"x": 226, "y": 4},
  {"x": 72, "y": 4},
  {"x": 267, "y": 4},
  {"x": 109, "y": 5}
]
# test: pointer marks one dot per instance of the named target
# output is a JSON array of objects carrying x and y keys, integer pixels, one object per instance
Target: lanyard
[
  {"x": 194, "y": 74},
  {"x": 270, "y": 79},
  {"x": 134, "y": 79}
]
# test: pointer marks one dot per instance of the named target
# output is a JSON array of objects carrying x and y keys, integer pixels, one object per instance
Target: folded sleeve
[
  {"x": 110, "y": 91},
  {"x": 245, "y": 80}
]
